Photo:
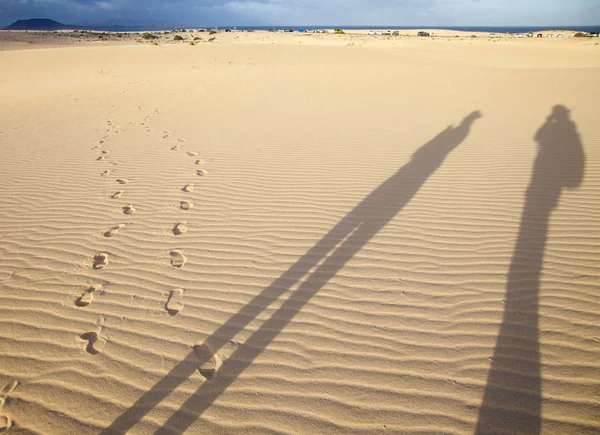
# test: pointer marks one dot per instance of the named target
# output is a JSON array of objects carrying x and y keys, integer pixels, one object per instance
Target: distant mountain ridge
[
  {"x": 46, "y": 24},
  {"x": 40, "y": 24}
]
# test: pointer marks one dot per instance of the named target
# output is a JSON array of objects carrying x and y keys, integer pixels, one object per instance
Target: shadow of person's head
[{"x": 560, "y": 155}]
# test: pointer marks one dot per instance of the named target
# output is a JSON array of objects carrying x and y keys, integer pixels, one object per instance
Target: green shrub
[
  {"x": 149, "y": 36},
  {"x": 212, "y": 32},
  {"x": 177, "y": 38},
  {"x": 579, "y": 35},
  {"x": 212, "y": 39}
]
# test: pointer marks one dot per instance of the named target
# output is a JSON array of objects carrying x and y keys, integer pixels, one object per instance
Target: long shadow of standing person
[
  {"x": 327, "y": 258},
  {"x": 512, "y": 398}
]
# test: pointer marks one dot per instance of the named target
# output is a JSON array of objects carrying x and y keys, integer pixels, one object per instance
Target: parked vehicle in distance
[{"x": 421, "y": 33}]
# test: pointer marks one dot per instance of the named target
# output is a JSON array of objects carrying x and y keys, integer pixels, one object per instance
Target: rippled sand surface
[{"x": 328, "y": 234}]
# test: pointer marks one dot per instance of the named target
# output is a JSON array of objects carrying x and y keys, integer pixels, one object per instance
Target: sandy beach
[{"x": 276, "y": 233}]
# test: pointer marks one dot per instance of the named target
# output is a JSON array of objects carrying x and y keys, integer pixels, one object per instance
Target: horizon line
[{"x": 150, "y": 23}]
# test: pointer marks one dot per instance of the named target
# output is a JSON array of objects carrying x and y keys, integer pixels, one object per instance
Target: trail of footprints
[{"x": 97, "y": 339}]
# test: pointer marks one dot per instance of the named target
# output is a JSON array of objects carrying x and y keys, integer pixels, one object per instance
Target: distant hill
[
  {"x": 114, "y": 25},
  {"x": 39, "y": 24}
]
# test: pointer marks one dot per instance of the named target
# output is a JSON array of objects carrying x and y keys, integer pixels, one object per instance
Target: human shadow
[
  {"x": 327, "y": 257},
  {"x": 512, "y": 398}
]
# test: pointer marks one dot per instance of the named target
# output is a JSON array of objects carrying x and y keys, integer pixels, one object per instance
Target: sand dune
[{"x": 263, "y": 236}]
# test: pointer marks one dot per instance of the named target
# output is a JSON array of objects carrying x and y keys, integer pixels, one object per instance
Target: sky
[{"x": 309, "y": 12}]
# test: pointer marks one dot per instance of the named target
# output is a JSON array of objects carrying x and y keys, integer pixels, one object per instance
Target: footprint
[
  {"x": 186, "y": 205},
  {"x": 5, "y": 420},
  {"x": 200, "y": 162},
  {"x": 96, "y": 340},
  {"x": 192, "y": 153},
  {"x": 178, "y": 259},
  {"x": 100, "y": 260},
  {"x": 175, "y": 303},
  {"x": 201, "y": 172},
  {"x": 105, "y": 173},
  {"x": 5, "y": 423},
  {"x": 101, "y": 158},
  {"x": 176, "y": 147},
  {"x": 209, "y": 363},
  {"x": 8, "y": 388},
  {"x": 104, "y": 152},
  {"x": 122, "y": 181},
  {"x": 88, "y": 296},
  {"x": 180, "y": 228},
  {"x": 116, "y": 163},
  {"x": 114, "y": 230},
  {"x": 180, "y": 140},
  {"x": 188, "y": 188},
  {"x": 117, "y": 195},
  {"x": 129, "y": 209}
]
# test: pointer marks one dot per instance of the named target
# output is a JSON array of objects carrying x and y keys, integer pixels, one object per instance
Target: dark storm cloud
[{"x": 282, "y": 12}]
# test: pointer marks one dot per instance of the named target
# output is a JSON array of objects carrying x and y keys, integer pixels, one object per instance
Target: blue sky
[{"x": 315, "y": 12}]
